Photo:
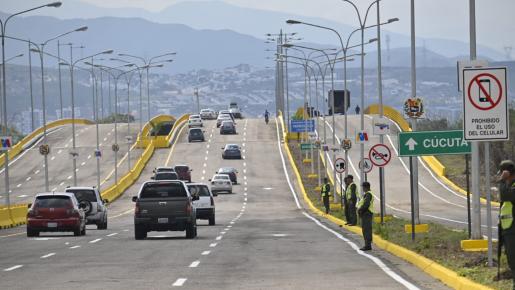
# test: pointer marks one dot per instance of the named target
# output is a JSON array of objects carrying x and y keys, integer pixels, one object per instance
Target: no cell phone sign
[{"x": 485, "y": 104}]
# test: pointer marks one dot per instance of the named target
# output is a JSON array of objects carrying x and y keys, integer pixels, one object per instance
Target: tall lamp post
[{"x": 3, "y": 26}]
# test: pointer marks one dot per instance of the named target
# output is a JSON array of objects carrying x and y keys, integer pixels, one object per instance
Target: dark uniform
[
  {"x": 325, "y": 191},
  {"x": 366, "y": 213},
  {"x": 351, "y": 200},
  {"x": 507, "y": 194}
]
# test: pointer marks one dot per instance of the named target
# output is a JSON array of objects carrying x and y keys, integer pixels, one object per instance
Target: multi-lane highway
[
  {"x": 26, "y": 171},
  {"x": 264, "y": 237},
  {"x": 438, "y": 202}
]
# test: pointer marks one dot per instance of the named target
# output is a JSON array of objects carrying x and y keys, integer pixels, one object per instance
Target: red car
[
  {"x": 55, "y": 212},
  {"x": 184, "y": 172}
]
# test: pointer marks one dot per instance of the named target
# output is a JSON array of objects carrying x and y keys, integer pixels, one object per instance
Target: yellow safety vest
[
  {"x": 348, "y": 191},
  {"x": 325, "y": 189},
  {"x": 362, "y": 201},
  {"x": 506, "y": 214}
]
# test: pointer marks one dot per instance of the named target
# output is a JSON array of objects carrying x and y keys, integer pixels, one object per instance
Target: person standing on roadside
[
  {"x": 366, "y": 213},
  {"x": 326, "y": 189},
  {"x": 506, "y": 179},
  {"x": 351, "y": 198}
]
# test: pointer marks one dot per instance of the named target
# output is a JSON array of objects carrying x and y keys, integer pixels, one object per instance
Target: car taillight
[
  {"x": 212, "y": 201},
  {"x": 188, "y": 208},
  {"x": 212, "y": 182},
  {"x": 137, "y": 210},
  {"x": 32, "y": 213}
]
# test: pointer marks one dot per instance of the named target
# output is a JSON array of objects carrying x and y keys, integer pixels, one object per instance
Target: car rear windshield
[
  {"x": 84, "y": 194},
  {"x": 53, "y": 202},
  {"x": 232, "y": 147},
  {"x": 166, "y": 176},
  {"x": 164, "y": 190},
  {"x": 222, "y": 176},
  {"x": 181, "y": 168},
  {"x": 195, "y": 132},
  {"x": 199, "y": 190}
]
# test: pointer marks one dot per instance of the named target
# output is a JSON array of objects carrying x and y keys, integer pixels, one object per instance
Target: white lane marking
[
  {"x": 205, "y": 158},
  {"x": 100, "y": 144},
  {"x": 75, "y": 247},
  {"x": 194, "y": 264},
  {"x": 19, "y": 185},
  {"x": 61, "y": 184},
  {"x": 36, "y": 172},
  {"x": 77, "y": 170},
  {"x": 66, "y": 145},
  {"x": 245, "y": 177},
  {"x": 222, "y": 233},
  {"x": 28, "y": 178},
  {"x": 207, "y": 146},
  {"x": 13, "y": 268},
  {"x": 205, "y": 165},
  {"x": 59, "y": 151},
  {"x": 71, "y": 140},
  {"x": 205, "y": 253},
  {"x": 232, "y": 223},
  {"x": 244, "y": 170},
  {"x": 22, "y": 196},
  {"x": 47, "y": 255},
  {"x": 83, "y": 163},
  {"x": 243, "y": 144},
  {"x": 125, "y": 230},
  {"x": 69, "y": 177},
  {"x": 245, "y": 189},
  {"x": 105, "y": 139},
  {"x": 244, "y": 163},
  {"x": 54, "y": 189},
  {"x": 202, "y": 178},
  {"x": 89, "y": 156},
  {"x": 280, "y": 235},
  {"x": 112, "y": 235},
  {"x": 212, "y": 245},
  {"x": 245, "y": 199},
  {"x": 179, "y": 282},
  {"x": 218, "y": 238},
  {"x": 376, "y": 260},
  {"x": 203, "y": 171},
  {"x": 53, "y": 157},
  {"x": 95, "y": 240},
  {"x": 207, "y": 152}
]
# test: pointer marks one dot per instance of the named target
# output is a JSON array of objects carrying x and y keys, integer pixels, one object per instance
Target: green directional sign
[
  {"x": 432, "y": 143},
  {"x": 306, "y": 146}
]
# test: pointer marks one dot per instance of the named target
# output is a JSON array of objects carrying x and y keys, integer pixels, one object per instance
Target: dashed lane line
[
  {"x": 179, "y": 282},
  {"x": 213, "y": 245},
  {"x": 95, "y": 241},
  {"x": 47, "y": 255},
  {"x": 205, "y": 253},
  {"x": 194, "y": 264},
  {"x": 75, "y": 247},
  {"x": 112, "y": 235},
  {"x": 13, "y": 268}
]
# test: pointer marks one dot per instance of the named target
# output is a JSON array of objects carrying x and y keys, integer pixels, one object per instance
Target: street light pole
[{"x": 32, "y": 125}]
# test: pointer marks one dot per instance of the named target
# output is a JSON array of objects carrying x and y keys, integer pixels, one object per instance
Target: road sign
[
  {"x": 346, "y": 144},
  {"x": 306, "y": 146},
  {"x": 98, "y": 153},
  {"x": 463, "y": 64},
  {"x": 339, "y": 165},
  {"x": 115, "y": 147},
  {"x": 6, "y": 142},
  {"x": 361, "y": 137},
  {"x": 485, "y": 104},
  {"x": 381, "y": 126},
  {"x": 432, "y": 143},
  {"x": 414, "y": 108},
  {"x": 44, "y": 149},
  {"x": 299, "y": 126},
  {"x": 380, "y": 155},
  {"x": 367, "y": 167}
]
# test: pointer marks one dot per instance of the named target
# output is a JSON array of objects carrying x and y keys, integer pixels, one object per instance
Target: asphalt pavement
[{"x": 264, "y": 237}]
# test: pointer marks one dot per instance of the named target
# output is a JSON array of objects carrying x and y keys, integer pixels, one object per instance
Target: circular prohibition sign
[
  {"x": 482, "y": 91},
  {"x": 380, "y": 155},
  {"x": 339, "y": 164},
  {"x": 368, "y": 165}
]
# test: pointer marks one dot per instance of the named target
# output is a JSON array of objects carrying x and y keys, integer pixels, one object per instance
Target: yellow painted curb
[
  {"x": 314, "y": 175},
  {"x": 419, "y": 228},
  {"x": 474, "y": 245},
  {"x": 318, "y": 188},
  {"x": 386, "y": 218},
  {"x": 447, "y": 276},
  {"x": 307, "y": 160}
]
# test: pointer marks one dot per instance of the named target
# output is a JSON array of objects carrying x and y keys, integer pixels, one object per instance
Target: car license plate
[
  {"x": 52, "y": 225},
  {"x": 162, "y": 220}
]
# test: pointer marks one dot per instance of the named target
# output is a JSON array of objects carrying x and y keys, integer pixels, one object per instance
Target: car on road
[
  {"x": 55, "y": 212},
  {"x": 195, "y": 121},
  {"x": 196, "y": 134},
  {"x": 166, "y": 175},
  {"x": 227, "y": 112},
  {"x": 227, "y": 127},
  {"x": 92, "y": 204},
  {"x": 221, "y": 183},
  {"x": 164, "y": 206},
  {"x": 205, "y": 205},
  {"x": 231, "y": 151},
  {"x": 235, "y": 110},
  {"x": 184, "y": 172},
  {"x": 231, "y": 171},
  {"x": 207, "y": 114},
  {"x": 163, "y": 169},
  {"x": 221, "y": 118}
]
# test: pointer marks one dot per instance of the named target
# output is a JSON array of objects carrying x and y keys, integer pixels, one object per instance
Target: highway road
[
  {"x": 264, "y": 237},
  {"x": 438, "y": 202},
  {"x": 26, "y": 171}
]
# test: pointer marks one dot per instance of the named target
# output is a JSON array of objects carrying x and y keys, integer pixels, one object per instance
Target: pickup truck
[{"x": 164, "y": 206}]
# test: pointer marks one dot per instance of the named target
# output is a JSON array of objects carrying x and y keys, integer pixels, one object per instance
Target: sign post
[{"x": 339, "y": 166}]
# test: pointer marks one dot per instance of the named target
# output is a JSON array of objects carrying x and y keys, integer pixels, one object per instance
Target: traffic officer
[
  {"x": 366, "y": 212},
  {"x": 506, "y": 181},
  {"x": 351, "y": 199},
  {"x": 325, "y": 190}
]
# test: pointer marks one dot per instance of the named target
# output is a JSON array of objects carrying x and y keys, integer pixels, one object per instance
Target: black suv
[
  {"x": 196, "y": 134},
  {"x": 164, "y": 206}
]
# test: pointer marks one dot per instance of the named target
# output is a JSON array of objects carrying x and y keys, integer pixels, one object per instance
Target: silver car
[
  {"x": 221, "y": 183},
  {"x": 91, "y": 202}
]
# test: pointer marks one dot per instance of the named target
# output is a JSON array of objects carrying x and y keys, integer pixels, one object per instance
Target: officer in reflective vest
[
  {"x": 366, "y": 213},
  {"x": 351, "y": 200},
  {"x": 507, "y": 193},
  {"x": 324, "y": 192}
]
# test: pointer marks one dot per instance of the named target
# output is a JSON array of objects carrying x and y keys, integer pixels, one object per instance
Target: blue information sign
[{"x": 299, "y": 126}]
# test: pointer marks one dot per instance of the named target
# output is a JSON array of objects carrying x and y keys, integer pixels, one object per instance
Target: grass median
[{"x": 441, "y": 244}]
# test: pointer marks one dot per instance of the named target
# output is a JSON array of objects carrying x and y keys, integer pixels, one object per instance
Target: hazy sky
[{"x": 434, "y": 18}]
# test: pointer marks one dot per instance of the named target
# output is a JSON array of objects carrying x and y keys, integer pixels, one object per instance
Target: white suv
[
  {"x": 221, "y": 182},
  {"x": 205, "y": 205},
  {"x": 91, "y": 202},
  {"x": 234, "y": 110},
  {"x": 195, "y": 121},
  {"x": 207, "y": 114}
]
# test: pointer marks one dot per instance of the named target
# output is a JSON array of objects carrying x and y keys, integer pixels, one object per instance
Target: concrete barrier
[{"x": 5, "y": 219}]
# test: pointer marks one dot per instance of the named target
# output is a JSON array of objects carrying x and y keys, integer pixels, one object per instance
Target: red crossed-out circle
[
  {"x": 382, "y": 157},
  {"x": 492, "y": 103}
]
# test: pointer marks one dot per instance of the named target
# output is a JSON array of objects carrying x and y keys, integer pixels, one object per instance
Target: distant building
[
  {"x": 26, "y": 120},
  {"x": 67, "y": 112}
]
